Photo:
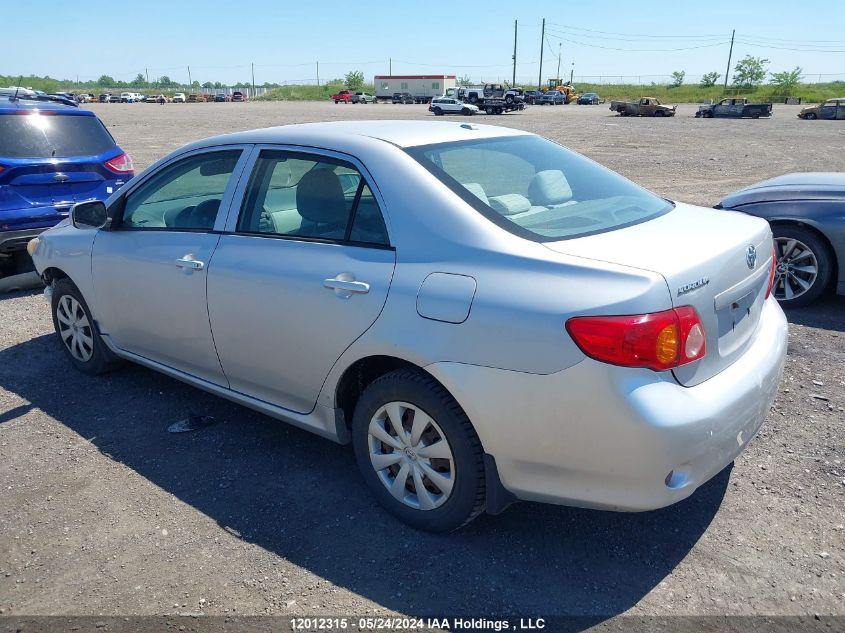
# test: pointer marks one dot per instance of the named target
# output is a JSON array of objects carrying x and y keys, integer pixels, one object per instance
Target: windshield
[
  {"x": 49, "y": 136},
  {"x": 537, "y": 189}
]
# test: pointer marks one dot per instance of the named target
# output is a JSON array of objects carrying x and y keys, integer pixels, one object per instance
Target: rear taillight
[
  {"x": 121, "y": 164},
  {"x": 772, "y": 272},
  {"x": 658, "y": 341}
]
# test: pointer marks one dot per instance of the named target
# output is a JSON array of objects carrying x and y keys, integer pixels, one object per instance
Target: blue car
[{"x": 52, "y": 155}]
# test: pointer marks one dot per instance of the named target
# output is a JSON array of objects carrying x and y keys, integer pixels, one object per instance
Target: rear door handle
[
  {"x": 344, "y": 285},
  {"x": 188, "y": 261}
]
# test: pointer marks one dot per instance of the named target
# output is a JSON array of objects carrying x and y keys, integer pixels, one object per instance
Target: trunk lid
[{"x": 705, "y": 257}]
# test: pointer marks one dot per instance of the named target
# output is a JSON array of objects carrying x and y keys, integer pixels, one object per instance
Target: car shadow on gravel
[
  {"x": 300, "y": 498},
  {"x": 827, "y": 313}
]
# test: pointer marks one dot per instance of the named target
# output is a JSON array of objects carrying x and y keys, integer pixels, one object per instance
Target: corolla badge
[
  {"x": 751, "y": 256},
  {"x": 694, "y": 285}
]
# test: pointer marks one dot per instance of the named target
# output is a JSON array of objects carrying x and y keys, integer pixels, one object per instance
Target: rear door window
[
  {"x": 52, "y": 136},
  {"x": 307, "y": 196}
]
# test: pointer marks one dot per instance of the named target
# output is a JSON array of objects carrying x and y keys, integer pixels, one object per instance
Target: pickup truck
[
  {"x": 735, "y": 108},
  {"x": 646, "y": 106},
  {"x": 344, "y": 96}
]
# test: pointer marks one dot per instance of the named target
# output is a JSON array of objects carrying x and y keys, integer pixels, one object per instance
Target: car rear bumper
[{"x": 600, "y": 436}]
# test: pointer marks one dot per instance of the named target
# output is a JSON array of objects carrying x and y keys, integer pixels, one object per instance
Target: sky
[{"x": 640, "y": 42}]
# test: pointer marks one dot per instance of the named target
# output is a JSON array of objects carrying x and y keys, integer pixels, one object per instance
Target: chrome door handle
[
  {"x": 189, "y": 262},
  {"x": 344, "y": 285}
]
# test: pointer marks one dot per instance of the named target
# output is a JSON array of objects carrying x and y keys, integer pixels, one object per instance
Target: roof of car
[
  {"x": 396, "y": 132},
  {"x": 10, "y": 106}
]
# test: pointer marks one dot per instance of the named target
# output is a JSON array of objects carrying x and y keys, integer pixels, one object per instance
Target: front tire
[
  {"x": 810, "y": 116},
  {"x": 76, "y": 331},
  {"x": 804, "y": 266},
  {"x": 418, "y": 452}
]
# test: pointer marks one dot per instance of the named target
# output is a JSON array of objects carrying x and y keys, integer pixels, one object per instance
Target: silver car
[{"x": 485, "y": 315}]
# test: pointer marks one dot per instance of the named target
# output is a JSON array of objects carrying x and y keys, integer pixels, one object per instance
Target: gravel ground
[{"x": 104, "y": 512}]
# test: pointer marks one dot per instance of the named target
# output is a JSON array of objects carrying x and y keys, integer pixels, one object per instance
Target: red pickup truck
[{"x": 343, "y": 95}]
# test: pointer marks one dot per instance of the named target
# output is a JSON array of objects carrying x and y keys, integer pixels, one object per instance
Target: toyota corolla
[{"x": 483, "y": 314}]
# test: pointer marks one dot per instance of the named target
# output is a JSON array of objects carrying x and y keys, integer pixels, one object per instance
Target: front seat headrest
[
  {"x": 319, "y": 198},
  {"x": 549, "y": 187}
]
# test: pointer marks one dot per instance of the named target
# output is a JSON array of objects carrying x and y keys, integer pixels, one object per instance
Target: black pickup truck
[{"x": 734, "y": 108}]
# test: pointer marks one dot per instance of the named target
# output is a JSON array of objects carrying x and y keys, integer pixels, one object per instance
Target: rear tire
[
  {"x": 807, "y": 252},
  {"x": 398, "y": 462},
  {"x": 77, "y": 332}
]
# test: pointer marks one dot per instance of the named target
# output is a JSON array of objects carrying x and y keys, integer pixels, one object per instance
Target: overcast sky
[{"x": 639, "y": 41}]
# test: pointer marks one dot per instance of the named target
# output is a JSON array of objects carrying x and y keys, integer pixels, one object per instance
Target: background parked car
[
  {"x": 238, "y": 96},
  {"x": 48, "y": 163},
  {"x": 179, "y": 97},
  {"x": 403, "y": 97},
  {"x": 363, "y": 97},
  {"x": 220, "y": 97},
  {"x": 830, "y": 109},
  {"x": 127, "y": 97},
  {"x": 531, "y": 96},
  {"x": 448, "y": 105},
  {"x": 551, "y": 97},
  {"x": 195, "y": 98},
  {"x": 589, "y": 98},
  {"x": 805, "y": 211}
]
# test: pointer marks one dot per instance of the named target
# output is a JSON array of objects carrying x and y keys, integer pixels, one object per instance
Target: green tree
[
  {"x": 106, "y": 81},
  {"x": 787, "y": 80},
  {"x": 195, "y": 85},
  {"x": 165, "y": 82},
  {"x": 750, "y": 71},
  {"x": 217, "y": 84},
  {"x": 678, "y": 78},
  {"x": 208, "y": 84},
  {"x": 354, "y": 79},
  {"x": 709, "y": 79},
  {"x": 139, "y": 81}
]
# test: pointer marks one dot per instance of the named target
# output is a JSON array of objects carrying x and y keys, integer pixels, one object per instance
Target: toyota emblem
[{"x": 751, "y": 256}]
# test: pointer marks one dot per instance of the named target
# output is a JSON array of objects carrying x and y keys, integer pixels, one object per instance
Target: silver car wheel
[
  {"x": 75, "y": 328},
  {"x": 411, "y": 456},
  {"x": 796, "y": 271}
]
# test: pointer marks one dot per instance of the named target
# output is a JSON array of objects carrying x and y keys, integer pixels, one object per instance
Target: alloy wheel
[
  {"x": 797, "y": 269},
  {"x": 411, "y": 455},
  {"x": 75, "y": 328}
]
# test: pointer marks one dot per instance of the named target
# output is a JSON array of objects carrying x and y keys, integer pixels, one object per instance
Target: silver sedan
[{"x": 483, "y": 314}]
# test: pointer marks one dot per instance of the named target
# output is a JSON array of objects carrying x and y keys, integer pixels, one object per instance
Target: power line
[
  {"x": 578, "y": 28},
  {"x": 641, "y": 50}
]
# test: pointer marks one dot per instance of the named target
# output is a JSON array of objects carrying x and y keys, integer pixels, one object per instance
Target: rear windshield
[
  {"x": 47, "y": 136},
  {"x": 537, "y": 189}
]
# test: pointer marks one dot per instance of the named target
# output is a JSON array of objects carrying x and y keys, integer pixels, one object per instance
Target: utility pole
[
  {"x": 190, "y": 83},
  {"x": 558, "y": 59},
  {"x": 390, "y": 62},
  {"x": 514, "y": 54},
  {"x": 147, "y": 74},
  {"x": 252, "y": 64},
  {"x": 542, "y": 45},
  {"x": 571, "y": 73},
  {"x": 318, "y": 74},
  {"x": 730, "y": 54}
]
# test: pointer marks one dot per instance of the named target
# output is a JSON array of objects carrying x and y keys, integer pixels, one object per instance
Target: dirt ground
[{"x": 102, "y": 511}]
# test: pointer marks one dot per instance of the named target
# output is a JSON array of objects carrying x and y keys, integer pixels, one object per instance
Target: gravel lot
[{"x": 104, "y": 512}]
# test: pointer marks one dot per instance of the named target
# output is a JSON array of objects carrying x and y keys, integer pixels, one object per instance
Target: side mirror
[{"x": 88, "y": 215}]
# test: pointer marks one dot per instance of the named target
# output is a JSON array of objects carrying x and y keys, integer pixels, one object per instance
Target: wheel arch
[{"x": 365, "y": 370}]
